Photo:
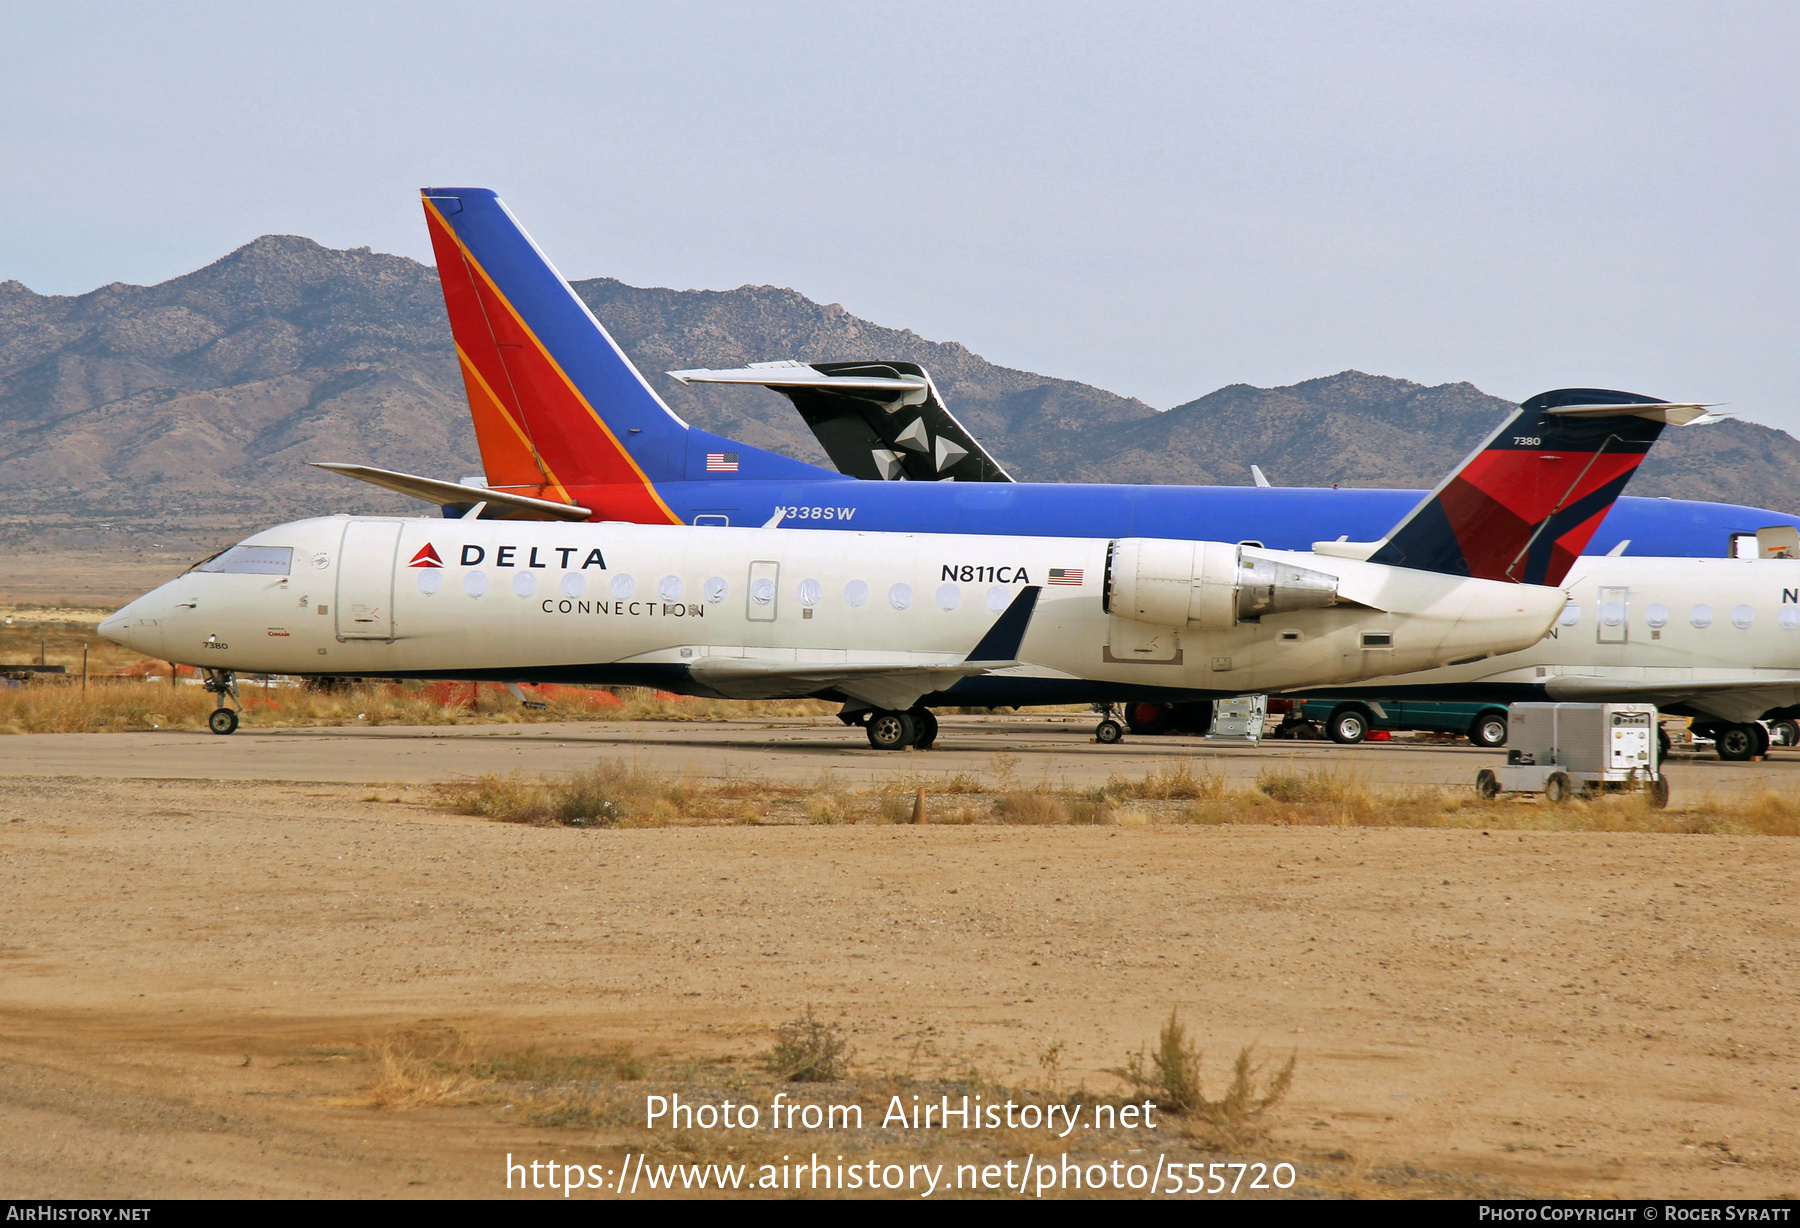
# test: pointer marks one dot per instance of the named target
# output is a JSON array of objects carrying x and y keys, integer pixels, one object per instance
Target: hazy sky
[{"x": 1158, "y": 199}]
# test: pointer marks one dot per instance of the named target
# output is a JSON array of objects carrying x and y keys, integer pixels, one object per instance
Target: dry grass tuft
[
  {"x": 1178, "y": 781},
  {"x": 414, "y": 1068},
  {"x": 606, "y": 795},
  {"x": 1315, "y": 786},
  {"x": 1030, "y": 808},
  {"x": 809, "y": 1050},
  {"x": 1773, "y": 814},
  {"x": 1171, "y": 1074}
]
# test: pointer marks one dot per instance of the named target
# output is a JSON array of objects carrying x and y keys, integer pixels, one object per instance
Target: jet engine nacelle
[{"x": 1209, "y": 586}]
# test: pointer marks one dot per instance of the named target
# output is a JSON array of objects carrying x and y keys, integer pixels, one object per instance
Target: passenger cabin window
[{"x": 249, "y": 561}]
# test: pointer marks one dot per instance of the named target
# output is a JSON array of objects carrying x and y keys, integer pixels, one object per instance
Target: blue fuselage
[{"x": 1282, "y": 518}]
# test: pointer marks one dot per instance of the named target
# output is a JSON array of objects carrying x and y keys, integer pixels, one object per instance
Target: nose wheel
[{"x": 223, "y": 683}]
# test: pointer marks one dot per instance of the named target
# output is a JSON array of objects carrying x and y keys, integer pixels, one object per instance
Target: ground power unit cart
[{"x": 1560, "y": 749}]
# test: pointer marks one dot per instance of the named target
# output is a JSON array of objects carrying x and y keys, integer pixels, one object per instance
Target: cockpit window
[{"x": 250, "y": 561}]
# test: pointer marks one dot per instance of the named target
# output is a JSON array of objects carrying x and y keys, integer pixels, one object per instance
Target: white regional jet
[
  {"x": 891, "y": 622},
  {"x": 880, "y": 620},
  {"x": 1717, "y": 639}
]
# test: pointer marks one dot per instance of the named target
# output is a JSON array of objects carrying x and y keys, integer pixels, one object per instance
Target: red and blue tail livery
[
  {"x": 1525, "y": 504},
  {"x": 560, "y": 413}
]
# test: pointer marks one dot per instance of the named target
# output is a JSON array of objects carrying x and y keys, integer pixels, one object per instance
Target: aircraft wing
[
  {"x": 892, "y": 684},
  {"x": 878, "y": 421},
  {"x": 1743, "y": 697},
  {"x": 897, "y": 686},
  {"x": 455, "y": 494}
]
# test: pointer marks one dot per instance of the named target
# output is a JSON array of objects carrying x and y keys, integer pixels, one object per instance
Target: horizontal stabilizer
[
  {"x": 455, "y": 494},
  {"x": 1669, "y": 414},
  {"x": 878, "y": 420},
  {"x": 799, "y": 375}
]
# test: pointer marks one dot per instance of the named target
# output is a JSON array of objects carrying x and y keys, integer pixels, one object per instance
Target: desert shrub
[
  {"x": 809, "y": 1050},
  {"x": 1171, "y": 1075}
]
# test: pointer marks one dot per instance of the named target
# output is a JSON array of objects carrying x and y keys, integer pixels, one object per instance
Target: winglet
[{"x": 1002, "y": 641}]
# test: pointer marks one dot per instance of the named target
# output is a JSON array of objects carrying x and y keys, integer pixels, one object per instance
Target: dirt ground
[{"x": 193, "y": 972}]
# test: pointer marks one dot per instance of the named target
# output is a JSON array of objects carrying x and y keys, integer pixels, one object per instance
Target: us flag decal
[
  {"x": 1065, "y": 575},
  {"x": 721, "y": 462}
]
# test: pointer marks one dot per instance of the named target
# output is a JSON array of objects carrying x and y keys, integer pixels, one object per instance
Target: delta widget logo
[{"x": 426, "y": 557}]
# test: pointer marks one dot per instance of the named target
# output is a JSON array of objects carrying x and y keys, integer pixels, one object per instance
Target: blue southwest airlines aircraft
[{"x": 570, "y": 430}]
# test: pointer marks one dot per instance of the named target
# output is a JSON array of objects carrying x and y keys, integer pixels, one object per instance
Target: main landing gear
[
  {"x": 223, "y": 683},
  {"x": 1737, "y": 743},
  {"x": 891, "y": 730},
  {"x": 1110, "y": 730}
]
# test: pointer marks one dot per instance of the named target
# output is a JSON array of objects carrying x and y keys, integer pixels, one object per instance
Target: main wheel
[
  {"x": 1556, "y": 788},
  {"x": 926, "y": 721},
  {"x": 1489, "y": 730},
  {"x": 891, "y": 730},
  {"x": 1736, "y": 743},
  {"x": 1658, "y": 792},
  {"x": 1348, "y": 725},
  {"x": 1108, "y": 732},
  {"x": 222, "y": 721},
  {"x": 1487, "y": 785},
  {"x": 1761, "y": 732},
  {"x": 1784, "y": 732}
]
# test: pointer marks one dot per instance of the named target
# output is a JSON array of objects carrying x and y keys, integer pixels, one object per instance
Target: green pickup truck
[{"x": 1352, "y": 720}]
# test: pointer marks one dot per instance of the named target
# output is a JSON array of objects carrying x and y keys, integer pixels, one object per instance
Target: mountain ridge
[{"x": 191, "y": 406}]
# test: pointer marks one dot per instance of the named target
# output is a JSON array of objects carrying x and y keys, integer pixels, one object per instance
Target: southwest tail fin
[
  {"x": 556, "y": 402},
  {"x": 1524, "y": 504}
]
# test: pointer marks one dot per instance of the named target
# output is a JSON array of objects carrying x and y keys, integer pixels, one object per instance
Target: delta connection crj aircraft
[
  {"x": 568, "y": 429},
  {"x": 890, "y": 623}
]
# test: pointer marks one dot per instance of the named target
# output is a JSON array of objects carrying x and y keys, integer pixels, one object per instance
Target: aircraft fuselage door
[
  {"x": 365, "y": 580},
  {"x": 1614, "y": 610},
  {"x": 763, "y": 591}
]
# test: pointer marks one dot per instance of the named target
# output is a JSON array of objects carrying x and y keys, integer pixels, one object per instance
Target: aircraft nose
[{"x": 138, "y": 626}]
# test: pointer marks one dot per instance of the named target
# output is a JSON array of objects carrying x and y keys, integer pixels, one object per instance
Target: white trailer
[{"x": 1559, "y": 749}]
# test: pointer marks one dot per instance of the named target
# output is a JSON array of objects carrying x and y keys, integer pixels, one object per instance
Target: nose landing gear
[{"x": 223, "y": 683}]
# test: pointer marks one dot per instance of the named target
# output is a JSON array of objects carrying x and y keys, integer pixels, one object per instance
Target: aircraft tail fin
[
  {"x": 1525, "y": 503},
  {"x": 555, "y": 400},
  {"x": 879, "y": 420}
]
